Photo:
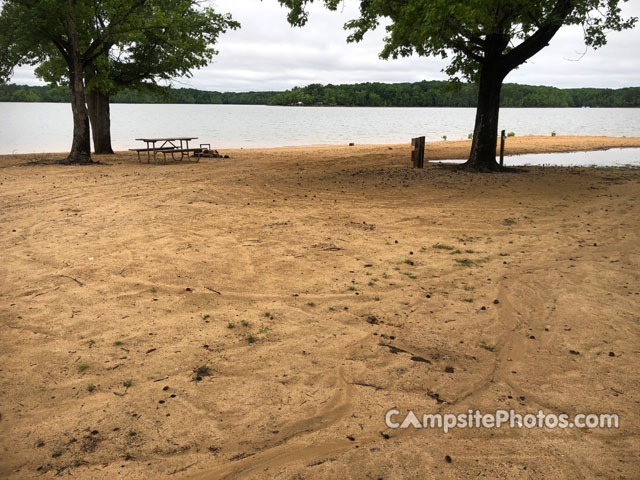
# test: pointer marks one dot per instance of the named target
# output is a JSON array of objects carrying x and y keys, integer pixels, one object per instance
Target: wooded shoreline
[{"x": 418, "y": 94}]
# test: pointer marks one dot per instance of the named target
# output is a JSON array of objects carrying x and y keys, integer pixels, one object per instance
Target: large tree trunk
[
  {"x": 100, "y": 118},
  {"x": 485, "y": 134},
  {"x": 81, "y": 145}
]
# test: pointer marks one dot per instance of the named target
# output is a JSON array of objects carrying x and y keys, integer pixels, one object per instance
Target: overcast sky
[{"x": 268, "y": 54}]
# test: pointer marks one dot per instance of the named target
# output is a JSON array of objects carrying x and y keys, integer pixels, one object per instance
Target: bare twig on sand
[
  {"x": 74, "y": 279},
  {"x": 182, "y": 469}
]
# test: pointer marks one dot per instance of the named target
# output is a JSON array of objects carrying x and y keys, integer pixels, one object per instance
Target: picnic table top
[{"x": 165, "y": 139}]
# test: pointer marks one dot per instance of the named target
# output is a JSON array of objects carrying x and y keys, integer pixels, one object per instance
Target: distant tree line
[{"x": 420, "y": 94}]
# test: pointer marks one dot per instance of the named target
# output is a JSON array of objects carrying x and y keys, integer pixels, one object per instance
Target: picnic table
[{"x": 172, "y": 145}]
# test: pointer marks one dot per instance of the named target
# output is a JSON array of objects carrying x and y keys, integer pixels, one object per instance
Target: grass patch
[
  {"x": 128, "y": 383},
  {"x": 82, "y": 367},
  {"x": 443, "y": 246},
  {"x": 509, "y": 221},
  {"x": 251, "y": 338},
  {"x": 311, "y": 304},
  {"x": 465, "y": 262},
  {"x": 118, "y": 343},
  {"x": 231, "y": 325},
  {"x": 203, "y": 371},
  {"x": 91, "y": 387}
]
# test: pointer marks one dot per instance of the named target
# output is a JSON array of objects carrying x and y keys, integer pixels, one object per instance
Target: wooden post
[
  {"x": 417, "y": 154},
  {"x": 502, "y": 138}
]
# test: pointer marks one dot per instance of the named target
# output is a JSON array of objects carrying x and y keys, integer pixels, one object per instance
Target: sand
[{"x": 309, "y": 283}]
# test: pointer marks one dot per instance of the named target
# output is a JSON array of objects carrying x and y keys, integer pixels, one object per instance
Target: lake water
[
  {"x": 47, "y": 127},
  {"x": 613, "y": 157}
]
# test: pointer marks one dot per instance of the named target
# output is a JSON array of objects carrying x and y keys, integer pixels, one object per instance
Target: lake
[{"x": 47, "y": 127}]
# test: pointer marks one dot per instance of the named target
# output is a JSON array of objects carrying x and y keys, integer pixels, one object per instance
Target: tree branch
[{"x": 540, "y": 38}]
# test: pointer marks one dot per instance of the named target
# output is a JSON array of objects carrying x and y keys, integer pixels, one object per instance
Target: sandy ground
[{"x": 315, "y": 289}]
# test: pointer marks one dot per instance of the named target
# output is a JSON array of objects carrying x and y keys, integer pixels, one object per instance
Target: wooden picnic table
[{"x": 170, "y": 145}]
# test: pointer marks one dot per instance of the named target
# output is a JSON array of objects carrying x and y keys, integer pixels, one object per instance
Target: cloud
[{"x": 268, "y": 54}]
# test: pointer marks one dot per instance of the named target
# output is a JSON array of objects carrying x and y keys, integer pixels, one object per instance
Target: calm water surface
[{"x": 47, "y": 127}]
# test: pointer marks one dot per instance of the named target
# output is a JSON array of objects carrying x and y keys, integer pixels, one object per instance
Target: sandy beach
[{"x": 257, "y": 316}]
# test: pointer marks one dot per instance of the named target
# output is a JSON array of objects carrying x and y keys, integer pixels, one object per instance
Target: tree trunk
[
  {"x": 81, "y": 145},
  {"x": 485, "y": 133},
  {"x": 100, "y": 118}
]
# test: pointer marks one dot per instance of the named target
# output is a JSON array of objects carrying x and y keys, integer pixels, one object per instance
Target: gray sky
[{"x": 268, "y": 54}]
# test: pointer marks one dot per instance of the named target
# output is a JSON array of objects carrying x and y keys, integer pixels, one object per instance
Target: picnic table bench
[{"x": 172, "y": 145}]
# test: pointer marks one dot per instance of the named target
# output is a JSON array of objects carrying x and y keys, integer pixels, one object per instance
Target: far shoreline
[{"x": 435, "y": 150}]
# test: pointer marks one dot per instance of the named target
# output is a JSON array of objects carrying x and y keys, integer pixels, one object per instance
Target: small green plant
[
  {"x": 386, "y": 275},
  {"x": 132, "y": 433},
  {"x": 128, "y": 383},
  {"x": 251, "y": 338},
  {"x": 469, "y": 250},
  {"x": 244, "y": 323},
  {"x": 509, "y": 221},
  {"x": 444, "y": 137},
  {"x": 553, "y": 134},
  {"x": 311, "y": 304},
  {"x": 154, "y": 290},
  {"x": 206, "y": 316},
  {"x": 352, "y": 287},
  {"x": 376, "y": 298},
  {"x": 332, "y": 309},
  {"x": 410, "y": 275},
  {"x": 82, "y": 367},
  {"x": 470, "y": 136},
  {"x": 465, "y": 262},
  {"x": 267, "y": 314},
  {"x": 118, "y": 343},
  {"x": 203, "y": 371},
  {"x": 264, "y": 330},
  {"x": 468, "y": 300},
  {"x": 91, "y": 343},
  {"x": 491, "y": 348},
  {"x": 469, "y": 288},
  {"x": 91, "y": 387},
  {"x": 408, "y": 261},
  {"x": 511, "y": 134},
  {"x": 371, "y": 283},
  {"x": 231, "y": 325},
  {"x": 442, "y": 246},
  {"x": 457, "y": 251}
]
